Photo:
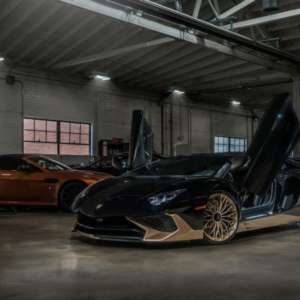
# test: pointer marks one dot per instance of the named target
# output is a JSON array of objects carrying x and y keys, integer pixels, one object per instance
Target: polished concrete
[{"x": 39, "y": 260}]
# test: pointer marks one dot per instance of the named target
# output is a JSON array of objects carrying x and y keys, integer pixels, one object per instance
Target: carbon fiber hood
[{"x": 126, "y": 195}]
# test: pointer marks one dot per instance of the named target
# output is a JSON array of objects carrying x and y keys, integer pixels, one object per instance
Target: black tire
[
  {"x": 222, "y": 217},
  {"x": 68, "y": 194}
]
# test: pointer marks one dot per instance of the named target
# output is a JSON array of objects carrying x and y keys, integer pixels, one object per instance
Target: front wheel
[
  {"x": 68, "y": 194},
  {"x": 221, "y": 218}
]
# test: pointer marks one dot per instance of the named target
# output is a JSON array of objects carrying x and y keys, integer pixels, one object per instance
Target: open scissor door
[
  {"x": 141, "y": 142},
  {"x": 274, "y": 140}
]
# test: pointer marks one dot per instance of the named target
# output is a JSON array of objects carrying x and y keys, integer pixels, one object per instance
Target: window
[
  {"x": 48, "y": 164},
  {"x": 229, "y": 144},
  {"x": 10, "y": 163},
  {"x": 74, "y": 138},
  {"x": 56, "y": 137},
  {"x": 40, "y": 136}
]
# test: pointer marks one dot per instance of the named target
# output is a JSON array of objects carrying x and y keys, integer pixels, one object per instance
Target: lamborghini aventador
[{"x": 202, "y": 196}]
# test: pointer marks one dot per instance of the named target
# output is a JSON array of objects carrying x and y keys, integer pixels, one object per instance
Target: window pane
[
  {"x": 85, "y": 139},
  {"x": 51, "y": 137},
  {"x": 64, "y": 127},
  {"x": 74, "y": 138},
  {"x": 75, "y": 128},
  {"x": 51, "y": 126},
  {"x": 40, "y": 148},
  {"x": 85, "y": 128},
  {"x": 28, "y": 124},
  {"x": 28, "y": 135},
  {"x": 65, "y": 138},
  {"x": 74, "y": 150},
  {"x": 40, "y": 136},
  {"x": 40, "y": 125}
]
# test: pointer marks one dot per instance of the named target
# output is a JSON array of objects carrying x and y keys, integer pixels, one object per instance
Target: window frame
[
  {"x": 242, "y": 144},
  {"x": 58, "y": 135}
]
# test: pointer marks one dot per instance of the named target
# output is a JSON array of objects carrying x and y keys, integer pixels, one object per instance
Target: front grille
[
  {"x": 110, "y": 226},
  {"x": 161, "y": 223}
]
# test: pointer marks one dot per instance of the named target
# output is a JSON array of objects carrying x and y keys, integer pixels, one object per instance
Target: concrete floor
[{"x": 38, "y": 260}]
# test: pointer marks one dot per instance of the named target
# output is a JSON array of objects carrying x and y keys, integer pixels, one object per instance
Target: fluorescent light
[
  {"x": 235, "y": 103},
  {"x": 178, "y": 92},
  {"x": 2, "y": 58},
  {"x": 102, "y": 77}
]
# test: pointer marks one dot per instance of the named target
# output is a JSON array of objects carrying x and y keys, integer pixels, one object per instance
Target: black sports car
[{"x": 207, "y": 197}]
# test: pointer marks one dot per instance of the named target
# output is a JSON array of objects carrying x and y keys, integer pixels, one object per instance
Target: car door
[
  {"x": 141, "y": 142},
  {"x": 274, "y": 140},
  {"x": 12, "y": 190},
  {"x": 22, "y": 183}
]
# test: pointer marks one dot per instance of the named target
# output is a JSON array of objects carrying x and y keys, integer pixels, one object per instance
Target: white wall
[
  {"x": 104, "y": 105},
  {"x": 108, "y": 108},
  {"x": 197, "y": 124},
  {"x": 10, "y": 118}
]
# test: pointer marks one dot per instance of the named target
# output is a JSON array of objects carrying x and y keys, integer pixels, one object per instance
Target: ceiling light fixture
[
  {"x": 235, "y": 103},
  {"x": 178, "y": 92},
  {"x": 102, "y": 77},
  {"x": 2, "y": 58}
]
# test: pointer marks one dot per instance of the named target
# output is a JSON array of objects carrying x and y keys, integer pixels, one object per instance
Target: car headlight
[{"x": 165, "y": 197}]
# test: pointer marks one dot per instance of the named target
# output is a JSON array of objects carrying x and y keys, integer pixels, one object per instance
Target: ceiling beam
[
  {"x": 157, "y": 64},
  {"x": 78, "y": 43},
  {"x": 46, "y": 35},
  {"x": 147, "y": 8},
  {"x": 8, "y": 9},
  {"x": 148, "y": 59},
  {"x": 21, "y": 38},
  {"x": 116, "y": 39},
  {"x": 25, "y": 16},
  {"x": 176, "y": 68},
  {"x": 60, "y": 41},
  {"x": 211, "y": 65},
  {"x": 112, "y": 53},
  {"x": 197, "y": 8},
  {"x": 264, "y": 20},
  {"x": 245, "y": 82},
  {"x": 213, "y": 8},
  {"x": 137, "y": 18},
  {"x": 235, "y": 9}
]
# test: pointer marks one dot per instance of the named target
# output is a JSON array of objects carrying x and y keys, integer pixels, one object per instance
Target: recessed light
[
  {"x": 2, "y": 58},
  {"x": 235, "y": 103},
  {"x": 178, "y": 92},
  {"x": 102, "y": 77}
]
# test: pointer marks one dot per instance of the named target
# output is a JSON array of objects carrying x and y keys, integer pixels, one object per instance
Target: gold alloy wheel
[{"x": 221, "y": 218}]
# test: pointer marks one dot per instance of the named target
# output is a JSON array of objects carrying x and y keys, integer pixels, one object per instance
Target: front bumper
[{"x": 155, "y": 229}]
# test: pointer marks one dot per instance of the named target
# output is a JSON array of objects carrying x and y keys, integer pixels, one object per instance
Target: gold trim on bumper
[{"x": 184, "y": 232}]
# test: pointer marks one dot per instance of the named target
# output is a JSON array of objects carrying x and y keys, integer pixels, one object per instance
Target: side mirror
[
  {"x": 26, "y": 168},
  {"x": 120, "y": 162}
]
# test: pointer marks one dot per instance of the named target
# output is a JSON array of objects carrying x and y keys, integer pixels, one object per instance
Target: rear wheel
[
  {"x": 221, "y": 218},
  {"x": 68, "y": 194}
]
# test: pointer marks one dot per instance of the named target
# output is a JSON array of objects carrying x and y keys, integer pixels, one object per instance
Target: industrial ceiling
[{"x": 137, "y": 49}]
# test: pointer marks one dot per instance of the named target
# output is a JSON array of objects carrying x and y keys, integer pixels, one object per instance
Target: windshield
[
  {"x": 184, "y": 166},
  {"x": 49, "y": 164}
]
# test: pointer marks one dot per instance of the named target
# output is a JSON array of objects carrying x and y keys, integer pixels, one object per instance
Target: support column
[{"x": 296, "y": 101}]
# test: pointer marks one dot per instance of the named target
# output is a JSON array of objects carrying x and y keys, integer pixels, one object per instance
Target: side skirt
[{"x": 270, "y": 221}]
